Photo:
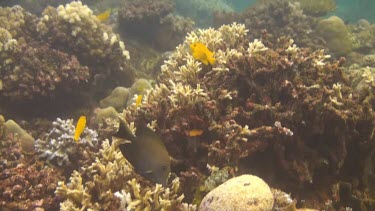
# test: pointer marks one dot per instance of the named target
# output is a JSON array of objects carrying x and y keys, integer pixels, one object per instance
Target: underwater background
[{"x": 187, "y": 105}]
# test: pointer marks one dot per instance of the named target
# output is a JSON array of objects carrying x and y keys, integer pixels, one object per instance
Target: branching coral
[
  {"x": 111, "y": 173},
  {"x": 59, "y": 145},
  {"x": 263, "y": 100},
  {"x": 159, "y": 198}
]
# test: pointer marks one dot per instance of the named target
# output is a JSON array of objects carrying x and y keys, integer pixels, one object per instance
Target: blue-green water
[{"x": 349, "y": 10}]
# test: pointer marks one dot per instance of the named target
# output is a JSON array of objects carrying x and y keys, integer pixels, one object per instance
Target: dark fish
[{"x": 146, "y": 152}]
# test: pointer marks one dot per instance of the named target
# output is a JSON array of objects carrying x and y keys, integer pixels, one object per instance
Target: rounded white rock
[{"x": 245, "y": 192}]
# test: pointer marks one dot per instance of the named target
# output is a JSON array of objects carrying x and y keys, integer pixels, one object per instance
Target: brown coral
[
  {"x": 279, "y": 19},
  {"x": 276, "y": 105},
  {"x": 26, "y": 184},
  {"x": 146, "y": 20},
  {"x": 41, "y": 71}
]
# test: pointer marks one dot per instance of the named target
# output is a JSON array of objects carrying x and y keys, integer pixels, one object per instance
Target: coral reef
[
  {"x": 154, "y": 23},
  {"x": 362, "y": 36},
  {"x": 57, "y": 53},
  {"x": 2, "y": 127},
  {"x": 134, "y": 12},
  {"x": 266, "y": 102},
  {"x": 280, "y": 19},
  {"x": 172, "y": 31},
  {"x": 75, "y": 29},
  {"x": 26, "y": 140},
  {"x": 30, "y": 69},
  {"x": 59, "y": 146},
  {"x": 110, "y": 183},
  {"x": 317, "y": 7},
  {"x": 245, "y": 192},
  {"x": 336, "y": 34},
  {"x": 140, "y": 87},
  {"x": 201, "y": 11},
  {"x": 25, "y": 183},
  {"x": 142, "y": 18},
  {"x": 117, "y": 99}
]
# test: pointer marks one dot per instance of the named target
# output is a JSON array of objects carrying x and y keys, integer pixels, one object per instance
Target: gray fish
[{"x": 146, "y": 152}]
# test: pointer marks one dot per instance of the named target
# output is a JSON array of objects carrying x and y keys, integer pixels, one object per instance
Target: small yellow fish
[
  {"x": 201, "y": 53},
  {"x": 195, "y": 132},
  {"x": 138, "y": 101},
  {"x": 104, "y": 15},
  {"x": 80, "y": 127}
]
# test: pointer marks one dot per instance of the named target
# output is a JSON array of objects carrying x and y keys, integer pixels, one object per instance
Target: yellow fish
[
  {"x": 138, "y": 101},
  {"x": 104, "y": 15},
  {"x": 202, "y": 53},
  {"x": 195, "y": 132},
  {"x": 80, "y": 127}
]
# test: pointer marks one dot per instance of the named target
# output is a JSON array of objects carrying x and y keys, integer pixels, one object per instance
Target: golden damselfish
[
  {"x": 195, "y": 132},
  {"x": 80, "y": 127},
  {"x": 138, "y": 100},
  {"x": 104, "y": 15},
  {"x": 201, "y": 53}
]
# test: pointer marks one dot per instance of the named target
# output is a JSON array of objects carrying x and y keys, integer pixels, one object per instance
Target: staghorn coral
[
  {"x": 58, "y": 144},
  {"x": 264, "y": 101},
  {"x": 159, "y": 198},
  {"x": 108, "y": 174},
  {"x": 25, "y": 183},
  {"x": 110, "y": 183}
]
